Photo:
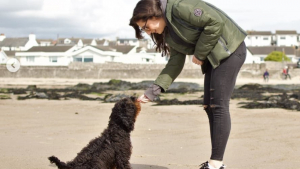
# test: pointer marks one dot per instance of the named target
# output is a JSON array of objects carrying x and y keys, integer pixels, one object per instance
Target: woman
[{"x": 195, "y": 27}]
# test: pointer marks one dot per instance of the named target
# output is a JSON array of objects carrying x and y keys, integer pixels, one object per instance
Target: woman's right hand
[
  {"x": 196, "y": 61},
  {"x": 143, "y": 99}
]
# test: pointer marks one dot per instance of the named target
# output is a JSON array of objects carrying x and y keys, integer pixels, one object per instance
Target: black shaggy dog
[{"x": 111, "y": 150}]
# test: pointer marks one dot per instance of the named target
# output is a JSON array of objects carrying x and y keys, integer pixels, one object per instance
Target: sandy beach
[{"x": 165, "y": 137}]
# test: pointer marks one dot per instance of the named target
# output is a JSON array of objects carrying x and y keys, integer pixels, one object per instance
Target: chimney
[
  {"x": 32, "y": 37},
  {"x": 2, "y": 37}
]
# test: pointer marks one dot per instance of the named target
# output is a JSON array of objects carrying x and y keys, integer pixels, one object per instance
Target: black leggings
[{"x": 218, "y": 87}]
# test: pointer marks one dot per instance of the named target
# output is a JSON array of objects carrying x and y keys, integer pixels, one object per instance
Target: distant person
[
  {"x": 298, "y": 64},
  {"x": 285, "y": 73},
  {"x": 266, "y": 75},
  {"x": 198, "y": 28}
]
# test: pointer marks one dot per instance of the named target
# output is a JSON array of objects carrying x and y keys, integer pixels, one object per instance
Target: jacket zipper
[
  {"x": 226, "y": 17},
  {"x": 224, "y": 39},
  {"x": 224, "y": 46}
]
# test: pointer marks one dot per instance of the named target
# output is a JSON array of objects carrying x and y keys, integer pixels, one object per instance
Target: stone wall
[{"x": 128, "y": 71}]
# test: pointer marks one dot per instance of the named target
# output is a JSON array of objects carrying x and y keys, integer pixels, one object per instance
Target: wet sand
[{"x": 165, "y": 137}]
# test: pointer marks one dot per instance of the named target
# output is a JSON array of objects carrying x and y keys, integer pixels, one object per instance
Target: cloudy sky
[{"x": 110, "y": 18}]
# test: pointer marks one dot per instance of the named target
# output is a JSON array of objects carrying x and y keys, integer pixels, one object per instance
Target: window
[
  {"x": 78, "y": 59},
  {"x": 83, "y": 59},
  {"x": 262, "y": 59},
  {"x": 67, "y": 41},
  {"x": 282, "y": 37},
  {"x": 53, "y": 59},
  {"x": 30, "y": 58},
  {"x": 265, "y": 38},
  {"x": 88, "y": 60}
]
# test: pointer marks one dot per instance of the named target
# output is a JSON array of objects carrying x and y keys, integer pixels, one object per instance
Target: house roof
[
  {"x": 286, "y": 32},
  {"x": 123, "y": 49},
  {"x": 265, "y": 50},
  {"x": 259, "y": 32},
  {"x": 10, "y": 53},
  {"x": 104, "y": 48},
  {"x": 44, "y": 40},
  {"x": 153, "y": 50},
  {"x": 101, "y": 42},
  {"x": 14, "y": 42},
  {"x": 112, "y": 43},
  {"x": 49, "y": 49},
  {"x": 87, "y": 41}
]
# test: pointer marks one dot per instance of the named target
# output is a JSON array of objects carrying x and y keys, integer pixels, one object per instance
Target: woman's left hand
[
  {"x": 196, "y": 61},
  {"x": 143, "y": 99}
]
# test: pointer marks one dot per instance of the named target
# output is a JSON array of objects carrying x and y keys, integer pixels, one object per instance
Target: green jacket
[{"x": 210, "y": 34}]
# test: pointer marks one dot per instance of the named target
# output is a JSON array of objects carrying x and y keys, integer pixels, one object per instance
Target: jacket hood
[{"x": 163, "y": 6}]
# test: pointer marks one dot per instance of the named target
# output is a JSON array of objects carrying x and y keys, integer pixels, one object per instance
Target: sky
[{"x": 49, "y": 19}]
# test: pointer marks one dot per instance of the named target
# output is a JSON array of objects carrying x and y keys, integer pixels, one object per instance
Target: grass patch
[
  {"x": 98, "y": 94},
  {"x": 4, "y": 97},
  {"x": 3, "y": 90}
]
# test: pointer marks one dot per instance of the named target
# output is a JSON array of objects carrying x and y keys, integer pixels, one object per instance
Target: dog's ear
[{"x": 124, "y": 113}]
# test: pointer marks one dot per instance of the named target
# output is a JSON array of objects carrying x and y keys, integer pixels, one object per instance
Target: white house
[
  {"x": 286, "y": 38},
  {"x": 126, "y": 41},
  {"x": 147, "y": 43},
  {"x": 259, "y": 38},
  {"x": 141, "y": 55},
  {"x": 251, "y": 59},
  {"x": 46, "y": 56},
  {"x": 69, "y": 42},
  {"x": 80, "y": 42},
  {"x": 45, "y": 42},
  {"x": 3, "y": 57},
  {"x": 158, "y": 59},
  {"x": 17, "y": 44},
  {"x": 263, "y": 52},
  {"x": 96, "y": 54}
]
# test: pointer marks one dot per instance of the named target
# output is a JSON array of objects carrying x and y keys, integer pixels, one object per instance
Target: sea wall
[{"x": 119, "y": 71}]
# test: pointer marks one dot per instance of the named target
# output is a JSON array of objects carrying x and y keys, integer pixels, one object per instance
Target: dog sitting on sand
[{"x": 111, "y": 150}]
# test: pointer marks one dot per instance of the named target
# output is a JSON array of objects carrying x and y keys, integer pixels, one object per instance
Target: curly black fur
[{"x": 113, "y": 148}]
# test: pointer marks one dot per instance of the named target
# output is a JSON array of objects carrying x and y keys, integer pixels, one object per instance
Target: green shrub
[{"x": 277, "y": 57}]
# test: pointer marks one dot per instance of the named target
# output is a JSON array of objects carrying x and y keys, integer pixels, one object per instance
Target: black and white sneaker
[{"x": 205, "y": 165}]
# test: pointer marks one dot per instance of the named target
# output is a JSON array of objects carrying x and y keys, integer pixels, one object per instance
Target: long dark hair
[{"x": 147, "y": 9}]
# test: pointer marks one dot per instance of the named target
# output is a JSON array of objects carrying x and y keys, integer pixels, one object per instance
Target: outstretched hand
[
  {"x": 143, "y": 99},
  {"x": 196, "y": 61}
]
